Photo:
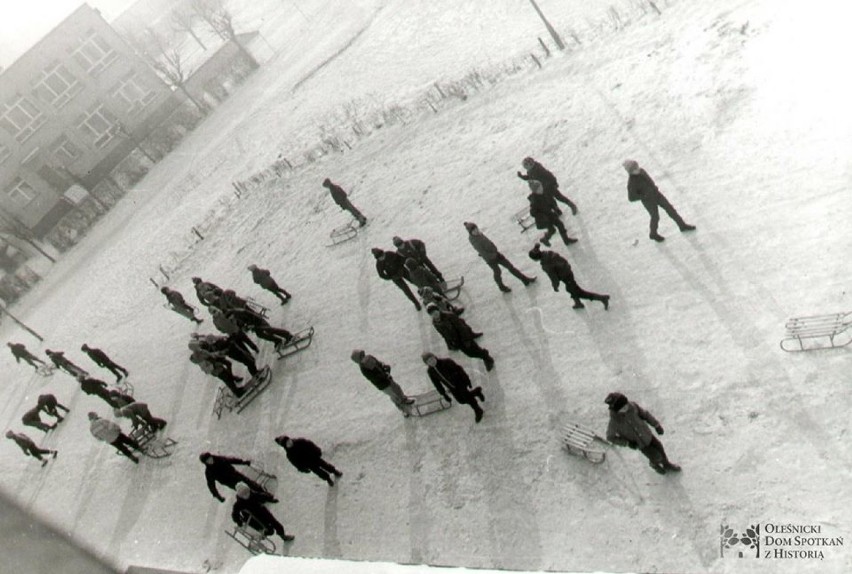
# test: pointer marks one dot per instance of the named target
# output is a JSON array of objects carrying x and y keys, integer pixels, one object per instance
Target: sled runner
[
  {"x": 452, "y": 288},
  {"x": 300, "y": 341},
  {"x": 45, "y": 370},
  {"x": 266, "y": 480},
  {"x": 226, "y": 400},
  {"x": 124, "y": 386},
  {"x": 152, "y": 445},
  {"x": 818, "y": 332},
  {"x": 251, "y": 539},
  {"x": 524, "y": 219},
  {"x": 256, "y": 307},
  {"x": 579, "y": 440},
  {"x": 344, "y": 233},
  {"x": 428, "y": 403}
]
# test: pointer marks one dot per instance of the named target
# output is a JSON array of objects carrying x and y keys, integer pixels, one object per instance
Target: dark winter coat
[
  {"x": 447, "y": 375},
  {"x": 539, "y": 173},
  {"x": 32, "y": 415},
  {"x": 456, "y": 332},
  {"x": 208, "y": 293},
  {"x": 378, "y": 374},
  {"x": 252, "y": 512},
  {"x": 338, "y": 195},
  {"x": 26, "y": 443},
  {"x": 20, "y": 352},
  {"x": 92, "y": 386},
  {"x": 542, "y": 210},
  {"x": 263, "y": 278},
  {"x": 640, "y": 187},
  {"x": 304, "y": 454},
  {"x": 484, "y": 247},
  {"x": 413, "y": 248},
  {"x": 175, "y": 299},
  {"x": 391, "y": 266},
  {"x": 222, "y": 471},
  {"x": 47, "y": 401},
  {"x": 422, "y": 277},
  {"x": 628, "y": 427},
  {"x": 557, "y": 268},
  {"x": 99, "y": 357}
]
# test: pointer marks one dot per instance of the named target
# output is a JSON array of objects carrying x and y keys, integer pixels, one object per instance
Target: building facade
[{"x": 71, "y": 108}]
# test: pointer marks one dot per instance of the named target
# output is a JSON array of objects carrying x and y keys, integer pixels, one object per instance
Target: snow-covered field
[{"x": 738, "y": 109}]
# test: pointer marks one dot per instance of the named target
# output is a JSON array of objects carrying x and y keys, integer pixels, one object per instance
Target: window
[
  {"x": 5, "y": 153},
  {"x": 134, "y": 95},
  {"x": 21, "y": 118},
  {"x": 65, "y": 151},
  {"x": 99, "y": 123},
  {"x": 57, "y": 85},
  {"x": 21, "y": 192},
  {"x": 94, "y": 54}
]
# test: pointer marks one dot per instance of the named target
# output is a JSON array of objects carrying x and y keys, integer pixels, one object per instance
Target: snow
[{"x": 736, "y": 108}]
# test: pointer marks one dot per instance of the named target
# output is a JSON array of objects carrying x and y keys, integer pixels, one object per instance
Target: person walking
[
  {"x": 250, "y": 510},
  {"x": 559, "y": 270},
  {"x": 459, "y": 336},
  {"x": 32, "y": 418},
  {"x": 63, "y": 364},
  {"x": 50, "y": 405},
  {"x": 179, "y": 305},
  {"x": 20, "y": 352},
  {"x": 421, "y": 277},
  {"x": 306, "y": 456},
  {"x": 640, "y": 187},
  {"x": 102, "y": 360},
  {"x": 536, "y": 171},
  {"x": 140, "y": 416},
  {"x": 342, "y": 200},
  {"x": 379, "y": 374},
  {"x": 545, "y": 214},
  {"x": 219, "y": 469},
  {"x": 391, "y": 267},
  {"x": 489, "y": 253},
  {"x": 447, "y": 375},
  {"x": 415, "y": 249},
  {"x": 263, "y": 278},
  {"x": 29, "y": 446},
  {"x": 218, "y": 366},
  {"x": 207, "y": 293},
  {"x": 109, "y": 432},
  {"x": 628, "y": 426},
  {"x": 96, "y": 388},
  {"x": 229, "y": 347}
]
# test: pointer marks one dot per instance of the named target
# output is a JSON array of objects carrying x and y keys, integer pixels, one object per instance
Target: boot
[
  {"x": 477, "y": 392},
  {"x": 657, "y": 237},
  {"x": 288, "y": 537},
  {"x": 578, "y": 304},
  {"x": 573, "y": 207},
  {"x": 605, "y": 301},
  {"x": 527, "y": 281},
  {"x": 504, "y": 289},
  {"x": 489, "y": 363},
  {"x": 687, "y": 227},
  {"x": 478, "y": 413}
]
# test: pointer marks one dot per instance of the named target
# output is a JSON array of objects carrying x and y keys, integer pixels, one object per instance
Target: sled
[
  {"x": 266, "y": 480},
  {"x": 524, "y": 219},
  {"x": 124, "y": 386},
  {"x": 817, "y": 332},
  {"x": 152, "y": 445},
  {"x": 344, "y": 233},
  {"x": 300, "y": 341},
  {"x": 580, "y": 441},
  {"x": 45, "y": 370},
  {"x": 428, "y": 403},
  {"x": 256, "y": 307},
  {"x": 252, "y": 540},
  {"x": 452, "y": 288},
  {"x": 226, "y": 400}
]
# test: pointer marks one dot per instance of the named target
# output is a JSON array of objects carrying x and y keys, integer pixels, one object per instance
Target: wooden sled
[
  {"x": 256, "y": 307},
  {"x": 579, "y": 441},
  {"x": 817, "y": 332},
  {"x": 344, "y": 233},
  {"x": 266, "y": 480},
  {"x": 152, "y": 445},
  {"x": 524, "y": 219},
  {"x": 252, "y": 540},
  {"x": 45, "y": 370},
  {"x": 300, "y": 341},
  {"x": 227, "y": 401},
  {"x": 452, "y": 288},
  {"x": 428, "y": 403},
  {"x": 124, "y": 386}
]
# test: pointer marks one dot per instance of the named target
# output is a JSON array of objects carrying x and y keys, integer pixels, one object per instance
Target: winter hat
[
  {"x": 204, "y": 456},
  {"x": 164, "y": 290},
  {"x": 535, "y": 252},
  {"x": 10, "y": 434},
  {"x": 326, "y": 182},
  {"x": 93, "y": 415},
  {"x": 376, "y": 252},
  {"x": 528, "y": 163},
  {"x": 471, "y": 227},
  {"x": 252, "y": 267},
  {"x": 357, "y": 355},
  {"x": 535, "y": 186},
  {"x": 426, "y": 356},
  {"x": 282, "y": 440},
  {"x": 243, "y": 490},
  {"x": 196, "y": 280},
  {"x": 630, "y": 165},
  {"x": 615, "y": 401},
  {"x": 397, "y": 241}
]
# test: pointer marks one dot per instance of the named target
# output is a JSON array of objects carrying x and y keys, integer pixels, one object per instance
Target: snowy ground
[{"x": 737, "y": 108}]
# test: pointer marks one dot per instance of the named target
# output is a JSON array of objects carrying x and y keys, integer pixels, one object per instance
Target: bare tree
[
  {"x": 166, "y": 60},
  {"x": 183, "y": 20},
  {"x": 220, "y": 19}
]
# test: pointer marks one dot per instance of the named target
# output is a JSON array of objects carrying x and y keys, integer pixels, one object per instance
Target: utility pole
[
  {"x": 559, "y": 43},
  {"x": 3, "y": 309}
]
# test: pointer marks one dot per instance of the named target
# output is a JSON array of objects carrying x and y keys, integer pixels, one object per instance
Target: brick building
[{"x": 71, "y": 108}]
